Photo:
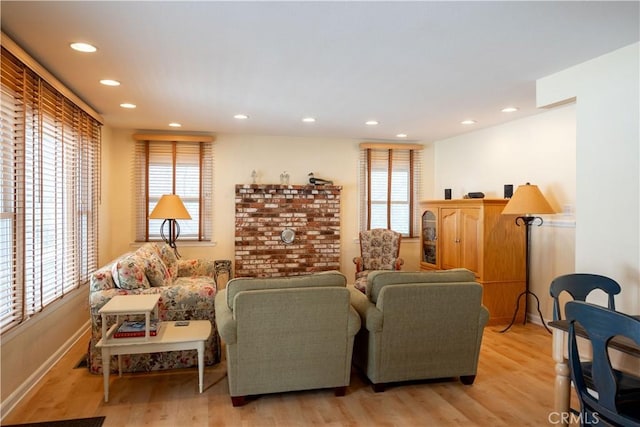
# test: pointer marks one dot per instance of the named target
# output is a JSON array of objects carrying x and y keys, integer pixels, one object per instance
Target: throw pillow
[
  {"x": 170, "y": 261},
  {"x": 156, "y": 271},
  {"x": 128, "y": 273}
]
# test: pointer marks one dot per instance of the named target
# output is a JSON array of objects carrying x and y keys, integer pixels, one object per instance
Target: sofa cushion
[
  {"x": 155, "y": 270},
  {"x": 326, "y": 278},
  {"x": 128, "y": 272},
  {"x": 376, "y": 280}
]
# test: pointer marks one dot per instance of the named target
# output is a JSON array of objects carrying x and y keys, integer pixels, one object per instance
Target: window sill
[{"x": 181, "y": 243}]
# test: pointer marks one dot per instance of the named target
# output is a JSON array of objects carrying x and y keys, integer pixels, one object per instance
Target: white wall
[
  {"x": 607, "y": 93},
  {"x": 235, "y": 158},
  {"x": 539, "y": 149}
]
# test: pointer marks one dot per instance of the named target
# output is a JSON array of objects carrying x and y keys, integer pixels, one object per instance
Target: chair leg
[
  {"x": 378, "y": 388},
  {"x": 467, "y": 379},
  {"x": 238, "y": 400},
  {"x": 340, "y": 391}
]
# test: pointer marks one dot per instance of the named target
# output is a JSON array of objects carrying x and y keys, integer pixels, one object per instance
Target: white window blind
[
  {"x": 179, "y": 167},
  {"x": 49, "y": 163},
  {"x": 390, "y": 187}
]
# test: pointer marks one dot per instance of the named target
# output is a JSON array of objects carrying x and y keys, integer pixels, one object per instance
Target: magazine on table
[{"x": 135, "y": 328}]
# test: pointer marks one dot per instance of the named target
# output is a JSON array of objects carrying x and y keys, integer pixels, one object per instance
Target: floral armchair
[{"x": 379, "y": 250}]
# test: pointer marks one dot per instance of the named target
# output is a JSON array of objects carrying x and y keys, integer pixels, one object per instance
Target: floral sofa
[{"x": 187, "y": 291}]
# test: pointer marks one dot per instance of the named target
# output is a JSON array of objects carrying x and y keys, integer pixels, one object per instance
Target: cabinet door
[
  {"x": 470, "y": 239},
  {"x": 449, "y": 240},
  {"x": 430, "y": 254}
]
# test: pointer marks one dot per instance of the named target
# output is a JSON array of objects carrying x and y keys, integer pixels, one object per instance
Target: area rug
[{"x": 77, "y": 422}]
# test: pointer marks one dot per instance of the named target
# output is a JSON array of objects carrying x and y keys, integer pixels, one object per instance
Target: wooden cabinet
[{"x": 473, "y": 234}]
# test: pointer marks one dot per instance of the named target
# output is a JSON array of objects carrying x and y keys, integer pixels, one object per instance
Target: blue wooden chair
[
  {"x": 617, "y": 401},
  {"x": 579, "y": 285}
]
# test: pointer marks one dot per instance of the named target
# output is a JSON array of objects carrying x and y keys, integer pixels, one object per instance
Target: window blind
[
  {"x": 49, "y": 163},
  {"x": 183, "y": 167},
  {"x": 390, "y": 176}
]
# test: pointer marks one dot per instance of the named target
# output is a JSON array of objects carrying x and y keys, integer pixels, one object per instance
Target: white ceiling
[{"x": 417, "y": 67}]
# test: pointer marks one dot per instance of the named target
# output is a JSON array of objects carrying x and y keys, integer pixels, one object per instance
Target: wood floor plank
[{"x": 514, "y": 386}]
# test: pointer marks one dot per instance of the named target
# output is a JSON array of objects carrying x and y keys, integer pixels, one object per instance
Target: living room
[{"x": 580, "y": 148}]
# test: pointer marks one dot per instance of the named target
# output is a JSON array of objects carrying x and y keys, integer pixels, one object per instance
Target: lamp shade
[
  {"x": 170, "y": 207},
  {"x": 527, "y": 200}
]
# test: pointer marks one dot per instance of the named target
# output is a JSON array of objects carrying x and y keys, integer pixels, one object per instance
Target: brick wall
[{"x": 264, "y": 211}]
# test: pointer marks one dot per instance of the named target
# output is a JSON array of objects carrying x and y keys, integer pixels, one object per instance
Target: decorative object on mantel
[
  {"x": 318, "y": 181},
  {"x": 254, "y": 176},
  {"x": 284, "y": 178},
  {"x": 474, "y": 195},
  {"x": 170, "y": 208},
  {"x": 526, "y": 202}
]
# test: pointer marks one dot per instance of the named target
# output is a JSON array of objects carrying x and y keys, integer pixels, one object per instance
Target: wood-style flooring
[{"x": 514, "y": 387}]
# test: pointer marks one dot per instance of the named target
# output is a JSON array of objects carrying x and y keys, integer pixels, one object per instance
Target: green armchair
[
  {"x": 419, "y": 325},
  {"x": 286, "y": 334}
]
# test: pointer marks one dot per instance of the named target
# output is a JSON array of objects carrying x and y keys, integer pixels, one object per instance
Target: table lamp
[
  {"x": 526, "y": 203},
  {"x": 170, "y": 208}
]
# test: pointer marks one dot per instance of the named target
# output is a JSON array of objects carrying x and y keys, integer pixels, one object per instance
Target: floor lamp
[
  {"x": 526, "y": 203},
  {"x": 170, "y": 208}
]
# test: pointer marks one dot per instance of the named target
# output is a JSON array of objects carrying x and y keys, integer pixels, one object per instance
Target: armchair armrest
[
  {"x": 359, "y": 264},
  {"x": 196, "y": 267},
  {"x": 369, "y": 314},
  {"x": 227, "y": 325}
]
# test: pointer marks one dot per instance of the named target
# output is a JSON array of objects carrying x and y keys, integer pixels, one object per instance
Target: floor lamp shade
[
  {"x": 170, "y": 207},
  {"x": 527, "y": 200}
]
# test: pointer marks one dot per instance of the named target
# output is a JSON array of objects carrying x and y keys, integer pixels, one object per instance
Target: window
[
  {"x": 49, "y": 164},
  {"x": 389, "y": 187},
  {"x": 174, "y": 164}
]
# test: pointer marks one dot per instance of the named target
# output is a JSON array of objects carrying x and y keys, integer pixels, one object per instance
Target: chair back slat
[{"x": 579, "y": 286}]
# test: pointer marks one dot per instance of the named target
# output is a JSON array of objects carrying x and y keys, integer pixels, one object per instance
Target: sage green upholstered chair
[
  {"x": 287, "y": 334},
  {"x": 419, "y": 325}
]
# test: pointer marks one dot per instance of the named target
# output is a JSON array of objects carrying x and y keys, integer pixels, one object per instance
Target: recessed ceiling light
[
  {"x": 401, "y": 135},
  {"x": 371, "y": 122},
  {"x": 175, "y": 125},
  {"x": 468, "y": 122},
  {"x": 83, "y": 47},
  {"x": 109, "y": 82},
  {"x": 241, "y": 116},
  {"x": 509, "y": 109},
  {"x": 127, "y": 105},
  {"x": 308, "y": 119}
]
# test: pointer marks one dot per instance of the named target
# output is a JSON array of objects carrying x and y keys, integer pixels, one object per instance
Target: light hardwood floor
[{"x": 514, "y": 387}]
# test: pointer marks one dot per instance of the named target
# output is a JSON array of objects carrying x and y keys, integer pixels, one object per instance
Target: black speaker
[
  {"x": 447, "y": 194},
  {"x": 476, "y": 195},
  {"x": 508, "y": 191}
]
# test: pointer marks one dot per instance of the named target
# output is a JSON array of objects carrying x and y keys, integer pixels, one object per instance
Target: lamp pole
[{"x": 527, "y": 221}]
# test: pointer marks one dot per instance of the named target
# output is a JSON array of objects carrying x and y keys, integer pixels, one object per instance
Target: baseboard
[{"x": 7, "y": 405}]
